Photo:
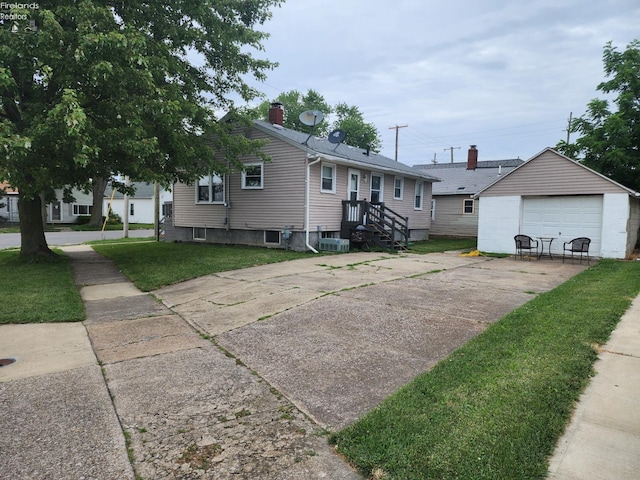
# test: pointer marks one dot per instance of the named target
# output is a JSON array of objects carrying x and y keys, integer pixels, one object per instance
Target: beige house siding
[
  {"x": 634, "y": 224},
  {"x": 555, "y": 170},
  {"x": 326, "y": 208},
  {"x": 278, "y": 204},
  {"x": 450, "y": 219}
]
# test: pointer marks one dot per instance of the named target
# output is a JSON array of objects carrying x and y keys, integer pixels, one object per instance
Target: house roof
[
  {"x": 631, "y": 192},
  {"x": 341, "y": 153},
  {"x": 143, "y": 190},
  {"x": 457, "y": 180}
]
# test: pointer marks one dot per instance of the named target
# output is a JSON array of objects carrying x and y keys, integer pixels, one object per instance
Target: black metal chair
[
  {"x": 525, "y": 243},
  {"x": 577, "y": 245}
]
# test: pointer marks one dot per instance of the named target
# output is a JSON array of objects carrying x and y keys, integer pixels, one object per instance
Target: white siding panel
[
  {"x": 615, "y": 226},
  {"x": 498, "y": 223}
]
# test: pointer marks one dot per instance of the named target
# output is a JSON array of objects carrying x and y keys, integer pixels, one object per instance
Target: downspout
[{"x": 307, "y": 201}]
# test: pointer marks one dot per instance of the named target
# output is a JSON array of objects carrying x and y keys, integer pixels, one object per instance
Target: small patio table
[{"x": 548, "y": 241}]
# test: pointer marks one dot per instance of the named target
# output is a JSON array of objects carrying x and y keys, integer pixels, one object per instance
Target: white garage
[{"x": 551, "y": 195}]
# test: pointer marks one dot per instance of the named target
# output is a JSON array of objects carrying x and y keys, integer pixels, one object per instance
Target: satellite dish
[
  {"x": 337, "y": 136},
  {"x": 311, "y": 117}
]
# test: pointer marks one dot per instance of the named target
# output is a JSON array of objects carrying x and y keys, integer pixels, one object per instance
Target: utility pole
[
  {"x": 434, "y": 161},
  {"x": 452, "y": 149},
  {"x": 569, "y": 126},
  {"x": 396, "y": 128}
]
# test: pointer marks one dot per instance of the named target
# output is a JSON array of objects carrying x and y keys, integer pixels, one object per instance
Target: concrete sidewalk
[
  {"x": 237, "y": 375},
  {"x": 602, "y": 441}
]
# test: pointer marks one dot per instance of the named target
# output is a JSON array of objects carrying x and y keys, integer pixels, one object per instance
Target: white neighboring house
[
  {"x": 551, "y": 195},
  {"x": 141, "y": 204}
]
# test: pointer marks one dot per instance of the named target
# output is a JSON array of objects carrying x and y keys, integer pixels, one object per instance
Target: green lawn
[
  {"x": 41, "y": 291},
  {"x": 153, "y": 265},
  {"x": 442, "y": 244},
  {"x": 496, "y": 407}
]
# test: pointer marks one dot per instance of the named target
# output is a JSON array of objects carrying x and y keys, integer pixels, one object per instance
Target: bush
[
  {"x": 114, "y": 219},
  {"x": 83, "y": 219}
]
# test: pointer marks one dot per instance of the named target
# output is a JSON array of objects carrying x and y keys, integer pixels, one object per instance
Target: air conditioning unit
[{"x": 333, "y": 245}]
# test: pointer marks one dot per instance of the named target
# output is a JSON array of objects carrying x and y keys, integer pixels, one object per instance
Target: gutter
[{"x": 307, "y": 201}]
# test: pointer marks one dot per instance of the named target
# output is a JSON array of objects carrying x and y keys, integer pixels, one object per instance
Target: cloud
[{"x": 501, "y": 74}]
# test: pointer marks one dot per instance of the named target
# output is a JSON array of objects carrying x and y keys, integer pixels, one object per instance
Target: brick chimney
[
  {"x": 472, "y": 159},
  {"x": 276, "y": 114}
]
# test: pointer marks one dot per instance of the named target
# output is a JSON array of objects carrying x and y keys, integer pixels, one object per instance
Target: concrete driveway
[
  {"x": 336, "y": 335},
  {"x": 327, "y": 336}
]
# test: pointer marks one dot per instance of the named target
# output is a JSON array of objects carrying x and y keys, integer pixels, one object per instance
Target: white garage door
[{"x": 564, "y": 218}]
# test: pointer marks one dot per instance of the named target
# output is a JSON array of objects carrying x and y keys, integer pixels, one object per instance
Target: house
[
  {"x": 312, "y": 189},
  {"x": 454, "y": 210},
  {"x": 8, "y": 204},
  {"x": 141, "y": 204},
  {"x": 551, "y": 195},
  {"x": 58, "y": 211}
]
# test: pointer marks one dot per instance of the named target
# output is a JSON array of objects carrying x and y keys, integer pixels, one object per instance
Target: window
[
  {"x": 418, "y": 197},
  {"x": 210, "y": 189},
  {"x": 82, "y": 209},
  {"x": 467, "y": 208},
  {"x": 398, "y": 187},
  {"x": 199, "y": 233},
  {"x": 377, "y": 184},
  {"x": 328, "y": 178},
  {"x": 131, "y": 209},
  {"x": 272, "y": 236},
  {"x": 433, "y": 209},
  {"x": 252, "y": 175}
]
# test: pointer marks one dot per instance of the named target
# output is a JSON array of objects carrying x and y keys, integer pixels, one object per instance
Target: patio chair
[
  {"x": 577, "y": 245},
  {"x": 525, "y": 242}
]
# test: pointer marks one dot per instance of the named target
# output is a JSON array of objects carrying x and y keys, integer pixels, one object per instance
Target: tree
[
  {"x": 123, "y": 88},
  {"x": 609, "y": 139},
  {"x": 294, "y": 103},
  {"x": 358, "y": 132},
  {"x": 349, "y": 118}
]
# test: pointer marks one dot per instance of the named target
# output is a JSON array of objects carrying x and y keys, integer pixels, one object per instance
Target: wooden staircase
[{"x": 382, "y": 226}]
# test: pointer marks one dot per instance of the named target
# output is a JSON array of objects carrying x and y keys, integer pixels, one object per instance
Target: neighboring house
[
  {"x": 454, "y": 210},
  {"x": 551, "y": 195},
  {"x": 8, "y": 204},
  {"x": 141, "y": 204},
  {"x": 58, "y": 211},
  {"x": 310, "y": 190}
]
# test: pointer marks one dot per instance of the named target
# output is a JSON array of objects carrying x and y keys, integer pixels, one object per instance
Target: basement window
[
  {"x": 272, "y": 236},
  {"x": 199, "y": 233}
]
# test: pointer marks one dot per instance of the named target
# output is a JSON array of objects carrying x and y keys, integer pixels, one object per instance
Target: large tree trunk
[
  {"x": 99, "y": 186},
  {"x": 32, "y": 240}
]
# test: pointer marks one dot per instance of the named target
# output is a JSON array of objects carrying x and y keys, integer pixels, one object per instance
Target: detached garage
[{"x": 551, "y": 195}]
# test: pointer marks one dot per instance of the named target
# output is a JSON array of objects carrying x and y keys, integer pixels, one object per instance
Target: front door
[
  {"x": 353, "y": 194},
  {"x": 354, "y": 185},
  {"x": 55, "y": 211}
]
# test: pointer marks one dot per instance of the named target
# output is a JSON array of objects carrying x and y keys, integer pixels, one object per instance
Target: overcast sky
[{"x": 503, "y": 75}]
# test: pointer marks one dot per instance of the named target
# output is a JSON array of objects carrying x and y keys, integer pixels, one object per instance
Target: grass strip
[
  {"x": 442, "y": 244},
  {"x": 497, "y": 406},
  {"x": 39, "y": 290},
  {"x": 153, "y": 265}
]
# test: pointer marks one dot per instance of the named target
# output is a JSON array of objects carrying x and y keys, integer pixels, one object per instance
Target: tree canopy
[
  {"x": 348, "y": 118},
  {"x": 609, "y": 139},
  {"x": 126, "y": 88}
]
